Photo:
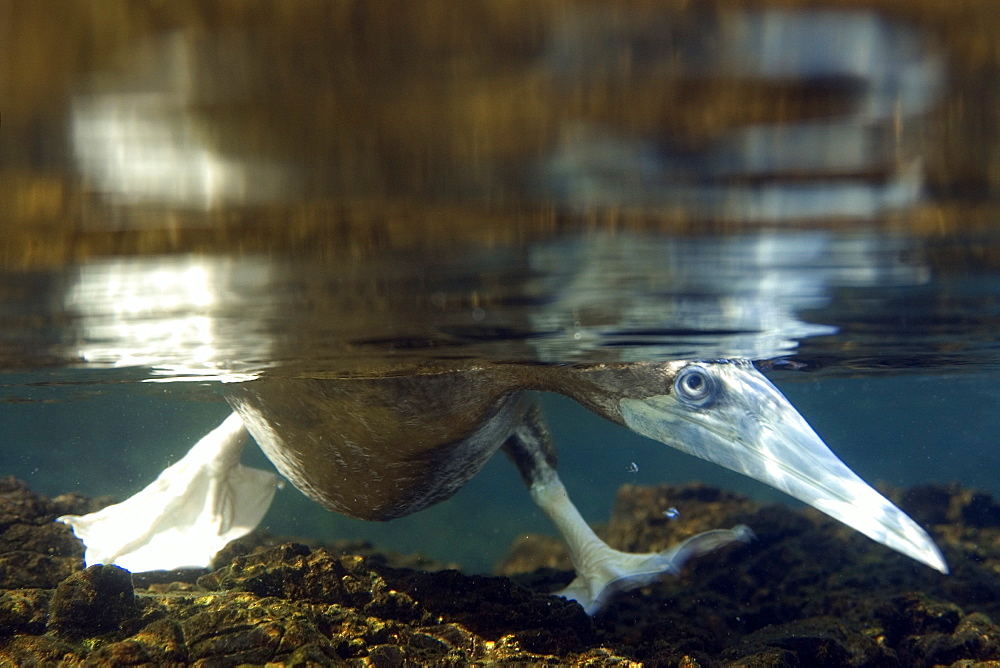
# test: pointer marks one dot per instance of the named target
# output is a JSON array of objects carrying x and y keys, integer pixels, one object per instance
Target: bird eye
[{"x": 696, "y": 387}]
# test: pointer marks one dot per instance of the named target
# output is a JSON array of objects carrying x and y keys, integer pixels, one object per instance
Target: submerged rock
[
  {"x": 807, "y": 592},
  {"x": 97, "y": 600},
  {"x": 35, "y": 551}
]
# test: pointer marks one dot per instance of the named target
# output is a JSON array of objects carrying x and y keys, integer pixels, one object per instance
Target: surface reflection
[
  {"x": 586, "y": 299},
  {"x": 178, "y": 315},
  {"x": 854, "y": 155},
  {"x": 357, "y": 187},
  {"x": 193, "y": 121},
  {"x": 144, "y": 140},
  {"x": 630, "y": 298}
]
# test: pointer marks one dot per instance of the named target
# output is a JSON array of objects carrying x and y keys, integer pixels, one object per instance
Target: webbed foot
[
  {"x": 190, "y": 512},
  {"x": 601, "y": 571},
  {"x": 604, "y": 572}
]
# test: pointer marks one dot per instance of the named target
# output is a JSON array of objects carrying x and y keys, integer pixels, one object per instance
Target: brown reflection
[{"x": 349, "y": 128}]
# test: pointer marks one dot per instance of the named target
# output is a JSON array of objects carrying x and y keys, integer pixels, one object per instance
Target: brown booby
[{"x": 382, "y": 447}]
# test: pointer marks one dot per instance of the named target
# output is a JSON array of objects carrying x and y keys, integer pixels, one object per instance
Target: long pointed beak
[{"x": 730, "y": 414}]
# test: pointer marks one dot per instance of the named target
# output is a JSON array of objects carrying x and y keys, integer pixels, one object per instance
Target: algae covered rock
[
  {"x": 93, "y": 601},
  {"x": 35, "y": 551},
  {"x": 807, "y": 592}
]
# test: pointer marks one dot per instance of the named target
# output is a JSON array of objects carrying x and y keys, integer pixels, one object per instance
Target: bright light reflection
[
  {"x": 187, "y": 318},
  {"x": 144, "y": 139},
  {"x": 744, "y": 293}
]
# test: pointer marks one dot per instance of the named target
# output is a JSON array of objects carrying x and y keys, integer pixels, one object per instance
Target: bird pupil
[{"x": 694, "y": 381}]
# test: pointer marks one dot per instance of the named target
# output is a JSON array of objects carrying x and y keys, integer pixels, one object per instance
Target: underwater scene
[{"x": 500, "y": 333}]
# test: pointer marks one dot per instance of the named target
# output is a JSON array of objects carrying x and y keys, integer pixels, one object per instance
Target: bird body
[{"x": 382, "y": 447}]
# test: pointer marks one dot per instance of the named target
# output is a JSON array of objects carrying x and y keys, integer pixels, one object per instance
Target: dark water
[{"x": 200, "y": 194}]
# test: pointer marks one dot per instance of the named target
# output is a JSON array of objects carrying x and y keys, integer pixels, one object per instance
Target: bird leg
[{"x": 601, "y": 571}]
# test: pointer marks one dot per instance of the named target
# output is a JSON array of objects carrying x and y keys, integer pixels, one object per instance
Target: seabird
[{"x": 383, "y": 447}]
